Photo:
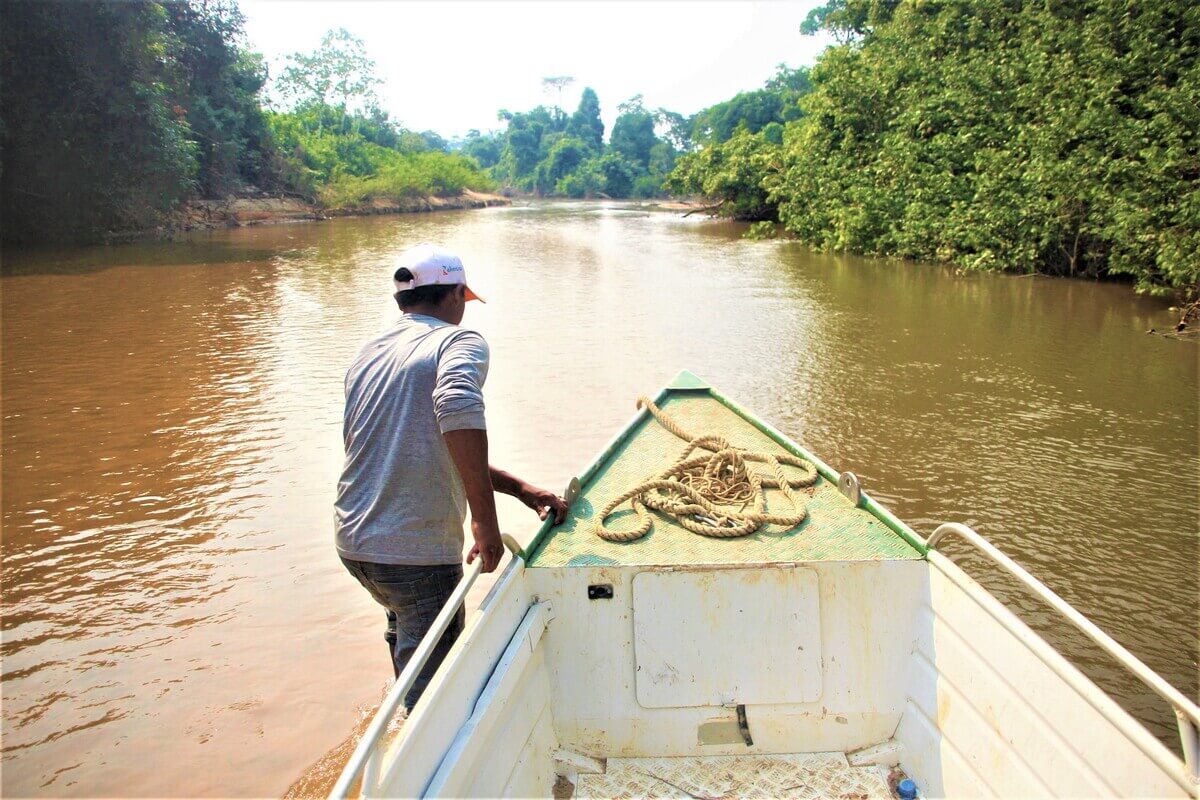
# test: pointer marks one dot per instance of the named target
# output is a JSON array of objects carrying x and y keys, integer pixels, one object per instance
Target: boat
[{"x": 845, "y": 656}]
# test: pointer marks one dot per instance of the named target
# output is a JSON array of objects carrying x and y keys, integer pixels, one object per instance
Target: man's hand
[
  {"x": 543, "y": 502},
  {"x": 488, "y": 546}
]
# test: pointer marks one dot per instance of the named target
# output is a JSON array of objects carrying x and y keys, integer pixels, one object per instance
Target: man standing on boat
[{"x": 417, "y": 458}]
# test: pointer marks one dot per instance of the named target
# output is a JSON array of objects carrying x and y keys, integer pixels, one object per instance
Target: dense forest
[
  {"x": 1052, "y": 137},
  {"x": 550, "y": 153},
  {"x": 115, "y": 114}
]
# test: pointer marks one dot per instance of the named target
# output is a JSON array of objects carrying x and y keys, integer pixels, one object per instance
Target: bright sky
[{"x": 450, "y": 66}]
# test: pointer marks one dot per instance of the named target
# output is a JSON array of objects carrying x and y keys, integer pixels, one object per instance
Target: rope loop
[{"x": 709, "y": 487}]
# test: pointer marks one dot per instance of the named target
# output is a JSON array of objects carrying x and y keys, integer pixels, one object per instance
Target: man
[{"x": 416, "y": 458}]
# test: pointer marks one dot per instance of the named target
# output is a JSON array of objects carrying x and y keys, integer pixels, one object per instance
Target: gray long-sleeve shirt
[{"x": 400, "y": 499}]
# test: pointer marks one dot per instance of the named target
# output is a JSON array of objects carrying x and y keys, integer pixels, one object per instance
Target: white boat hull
[
  {"x": 915, "y": 658},
  {"x": 829, "y": 658}
]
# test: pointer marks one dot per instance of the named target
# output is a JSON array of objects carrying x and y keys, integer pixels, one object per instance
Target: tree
[
  {"x": 848, "y": 20},
  {"x": 675, "y": 128},
  {"x": 1053, "y": 137},
  {"x": 736, "y": 173},
  {"x": 338, "y": 74},
  {"x": 556, "y": 84},
  {"x": 586, "y": 124},
  {"x": 217, "y": 85},
  {"x": 633, "y": 135},
  {"x": 564, "y": 157},
  {"x": 777, "y": 102},
  {"x": 662, "y": 160},
  {"x": 434, "y": 140},
  {"x": 618, "y": 174},
  {"x": 485, "y": 149},
  {"x": 527, "y": 141},
  {"x": 631, "y": 106},
  {"x": 93, "y": 138}
]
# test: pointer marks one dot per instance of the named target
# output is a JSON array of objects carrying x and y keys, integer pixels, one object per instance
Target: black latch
[
  {"x": 744, "y": 725},
  {"x": 600, "y": 591}
]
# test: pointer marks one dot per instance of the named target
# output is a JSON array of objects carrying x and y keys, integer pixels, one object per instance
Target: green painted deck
[{"x": 834, "y": 530}]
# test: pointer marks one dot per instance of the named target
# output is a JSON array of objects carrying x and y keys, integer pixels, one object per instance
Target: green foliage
[
  {"x": 618, "y": 173},
  {"x": 662, "y": 160},
  {"x": 564, "y": 157},
  {"x": 340, "y": 149},
  {"x": 116, "y": 112},
  {"x": 338, "y": 74},
  {"x": 848, "y": 19},
  {"x": 764, "y": 229},
  {"x": 777, "y": 103},
  {"x": 528, "y": 140},
  {"x": 217, "y": 85},
  {"x": 484, "y": 149},
  {"x": 343, "y": 160},
  {"x": 397, "y": 175},
  {"x": 734, "y": 172},
  {"x": 1049, "y": 137},
  {"x": 587, "y": 181},
  {"x": 545, "y": 152},
  {"x": 633, "y": 136},
  {"x": 585, "y": 123},
  {"x": 676, "y": 129},
  {"x": 646, "y": 186}
]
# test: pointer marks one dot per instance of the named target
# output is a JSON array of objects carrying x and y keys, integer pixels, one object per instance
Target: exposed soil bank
[{"x": 238, "y": 212}]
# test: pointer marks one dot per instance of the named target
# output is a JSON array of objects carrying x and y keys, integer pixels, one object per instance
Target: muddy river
[{"x": 175, "y": 620}]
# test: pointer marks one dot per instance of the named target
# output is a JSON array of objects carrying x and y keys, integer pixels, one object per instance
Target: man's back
[{"x": 400, "y": 499}]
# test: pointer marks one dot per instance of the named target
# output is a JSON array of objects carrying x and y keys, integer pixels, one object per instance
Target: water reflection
[{"x": 171, "y": 442}]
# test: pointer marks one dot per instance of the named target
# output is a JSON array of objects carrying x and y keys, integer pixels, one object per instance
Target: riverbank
[{"x": 238, "y": 212}]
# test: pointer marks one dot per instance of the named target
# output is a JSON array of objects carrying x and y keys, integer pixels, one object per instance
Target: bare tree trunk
[{"x": 706, "y": 208}]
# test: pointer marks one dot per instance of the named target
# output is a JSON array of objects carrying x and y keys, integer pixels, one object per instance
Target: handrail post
[
  {"x": 1185, "y": 710},
  {"x": 365, "y": 759},
  {"x": 1190, "y": 740},
  {"x": 370, "y": 774}
]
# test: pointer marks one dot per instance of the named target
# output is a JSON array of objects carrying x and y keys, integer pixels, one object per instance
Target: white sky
[{"x": 450, "y": 66}]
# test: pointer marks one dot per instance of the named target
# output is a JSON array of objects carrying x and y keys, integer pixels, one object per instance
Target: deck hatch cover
[{"x": 729, "y": 636}]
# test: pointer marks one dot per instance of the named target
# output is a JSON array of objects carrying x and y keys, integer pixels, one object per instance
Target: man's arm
[
  {"x": 468, "y": 450},
  {"x": 540, "y": 500}
]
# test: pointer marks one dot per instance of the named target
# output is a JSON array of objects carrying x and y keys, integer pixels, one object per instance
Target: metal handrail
[
  {"x": 1186, "y": 712},
  {"x": 363, "y": 761}
]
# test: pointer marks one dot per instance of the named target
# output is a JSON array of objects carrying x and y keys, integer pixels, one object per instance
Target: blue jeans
[{"x": 412, "y": 596}]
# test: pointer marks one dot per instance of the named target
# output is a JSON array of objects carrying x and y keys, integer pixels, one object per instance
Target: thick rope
[{"x": 716, "y": 485}]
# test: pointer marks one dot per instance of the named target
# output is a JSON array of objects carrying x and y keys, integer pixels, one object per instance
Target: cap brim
[{"x": 472, "y": 296}]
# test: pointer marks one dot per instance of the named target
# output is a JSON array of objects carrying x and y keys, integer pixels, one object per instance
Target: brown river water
[{"x": 175, "y": 620}]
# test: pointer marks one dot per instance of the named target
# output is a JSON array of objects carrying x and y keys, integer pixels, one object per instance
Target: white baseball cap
[{"x": 431, "y": 266}]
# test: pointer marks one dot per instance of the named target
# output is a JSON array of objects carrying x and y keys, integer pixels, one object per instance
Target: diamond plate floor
[{"x": 805, "y": 775}]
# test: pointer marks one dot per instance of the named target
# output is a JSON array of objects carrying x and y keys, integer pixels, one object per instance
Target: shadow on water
[{"x": 192, "y": 249}]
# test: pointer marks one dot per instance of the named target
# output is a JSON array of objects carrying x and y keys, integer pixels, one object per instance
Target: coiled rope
[{"x": 708, "y": 493}]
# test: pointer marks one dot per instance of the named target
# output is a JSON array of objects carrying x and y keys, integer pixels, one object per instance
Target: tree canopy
[
  {"x": 115, "y": 114},
  {"x": 1056, "y": 138},
  {"x": 585, "y": 123},
  {"x": 116, "y": 111},
  {"x": 548, "y": 153}
]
